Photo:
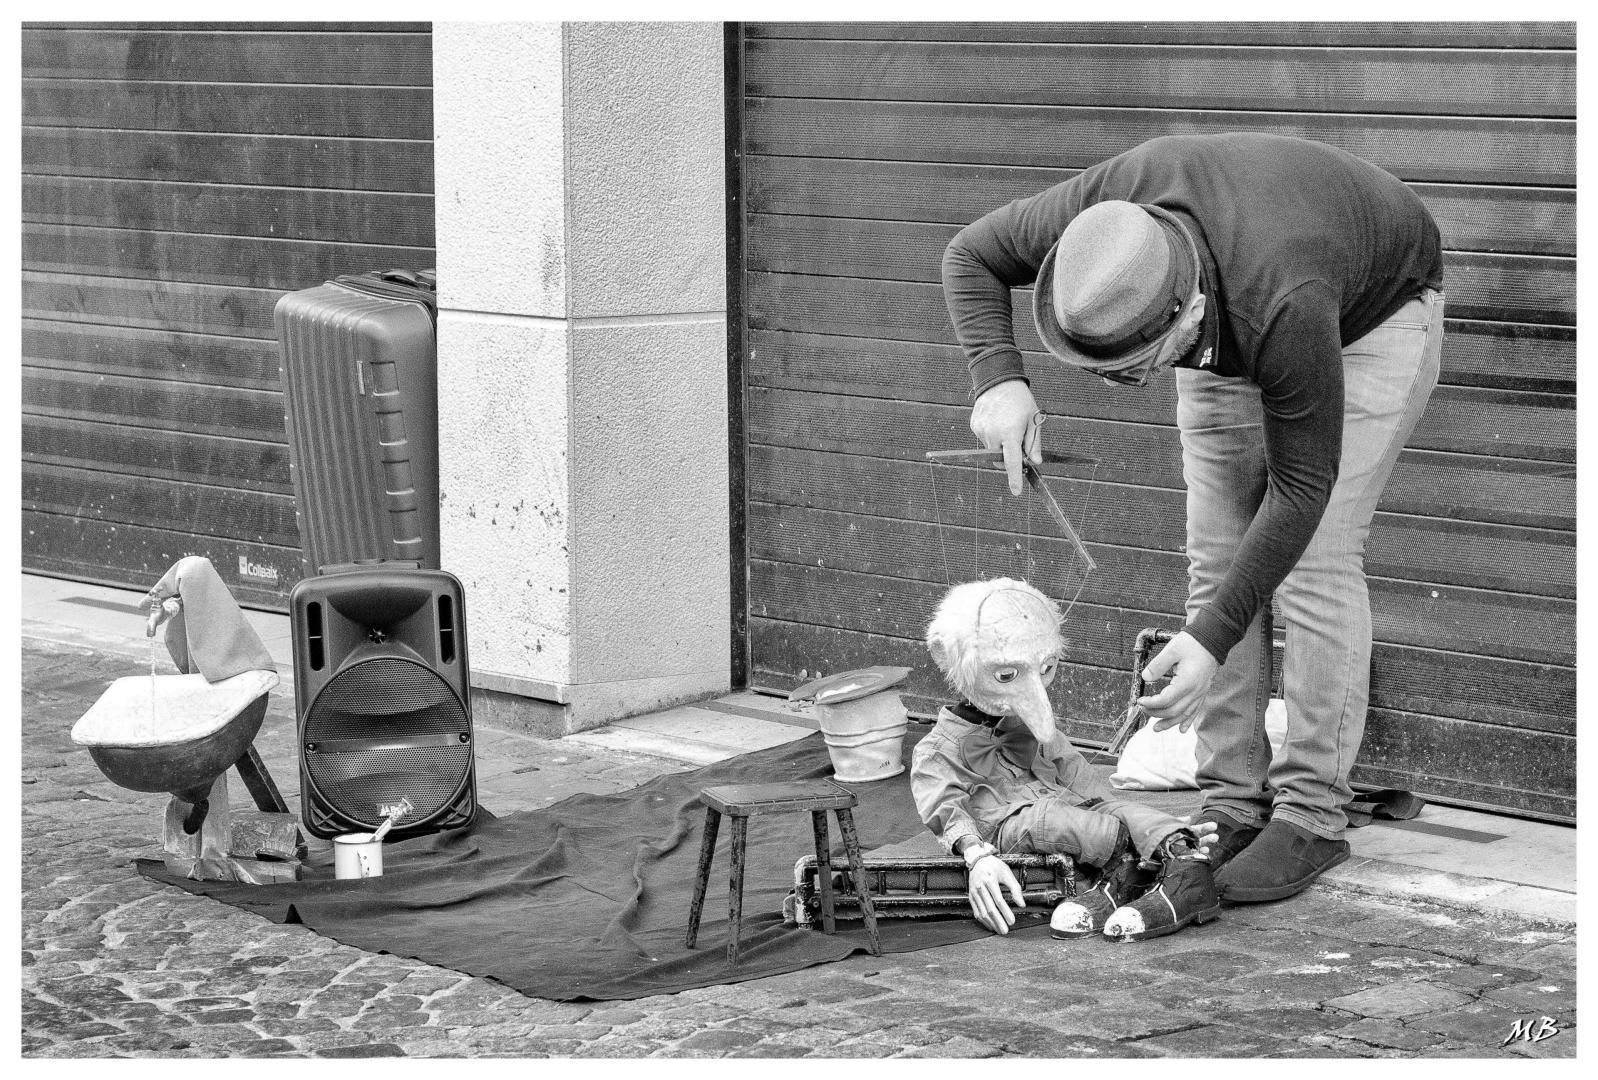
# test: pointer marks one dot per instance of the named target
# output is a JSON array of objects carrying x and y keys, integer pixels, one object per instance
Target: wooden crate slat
[
  {"x": 119, "y": 350},
  {"x": 341, "y": 112},
  {"x": 1488, "y": 35},
  {"x": 1437, "y": 82},
  {"x": 223, "y": 56},
  {"x": 396, "y": 219},
  {"x": 382, "y": 164},
  {"x": 123, "y": 499},
  {"x": 130, "y": 555},
  {"x": 253, "y": 262},
  {"x": 172, "y": 455},
  {"x": 215, "y": 410},
  {"x": 1424, "y": 149}
]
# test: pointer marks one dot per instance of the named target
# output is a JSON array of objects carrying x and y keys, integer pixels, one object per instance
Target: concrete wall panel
[
  {"x": 504, "y": 517},
  {"x": 500, "y": 151},
  {"x": 646, "y": 160},
  {"x": 650, "y": 577}
]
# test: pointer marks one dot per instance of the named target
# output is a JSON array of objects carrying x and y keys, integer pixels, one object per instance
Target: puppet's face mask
[{"x": 1010, "y": 659}]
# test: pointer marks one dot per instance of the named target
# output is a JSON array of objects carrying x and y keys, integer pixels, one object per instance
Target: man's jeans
[{"x": 1388, "y": 374}]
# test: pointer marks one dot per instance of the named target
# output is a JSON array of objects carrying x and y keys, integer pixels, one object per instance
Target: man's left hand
[{"x": 1192, "y": 669}]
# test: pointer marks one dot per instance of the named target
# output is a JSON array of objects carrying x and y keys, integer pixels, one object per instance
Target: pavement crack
[
  {"x": 1468, "y": 958},
  {"x": 1157, "y": 1032}
]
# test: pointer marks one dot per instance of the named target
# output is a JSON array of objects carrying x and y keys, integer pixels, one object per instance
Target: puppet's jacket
[{"x": 968, "y": 776}]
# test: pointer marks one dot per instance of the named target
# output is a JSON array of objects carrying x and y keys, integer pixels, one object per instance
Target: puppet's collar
[{"x": 973, "y": 715}]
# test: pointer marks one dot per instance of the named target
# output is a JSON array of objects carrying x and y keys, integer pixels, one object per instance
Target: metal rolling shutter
[
  {"x": 866, "y": 146},
  {"x": 177, "y": 179}
]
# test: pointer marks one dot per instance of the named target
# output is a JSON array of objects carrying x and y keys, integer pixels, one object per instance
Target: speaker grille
[{"x": 385, "y": 728}]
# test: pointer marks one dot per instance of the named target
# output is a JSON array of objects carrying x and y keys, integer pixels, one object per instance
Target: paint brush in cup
[{"x": 395, "y": 812}]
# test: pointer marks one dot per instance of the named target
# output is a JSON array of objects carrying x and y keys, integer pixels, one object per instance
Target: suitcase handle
[{"x": 416, "y": 279}]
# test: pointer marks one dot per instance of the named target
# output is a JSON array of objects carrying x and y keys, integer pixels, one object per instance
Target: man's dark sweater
[{"x": 1306, "y": 249}]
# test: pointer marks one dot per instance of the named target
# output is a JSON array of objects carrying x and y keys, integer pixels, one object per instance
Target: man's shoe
[
  {"x": 1182, "y": 893},
  {"x": 1123, "y": 878},
  {"x": 1281, "y": 862},
  {"x": 1230, "y": 837}
]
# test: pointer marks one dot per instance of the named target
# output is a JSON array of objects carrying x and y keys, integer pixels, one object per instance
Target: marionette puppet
[{"x": 995, "y": 775}]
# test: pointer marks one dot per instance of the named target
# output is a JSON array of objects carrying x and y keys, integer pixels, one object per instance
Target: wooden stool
[{"x": 743, "y": 801}]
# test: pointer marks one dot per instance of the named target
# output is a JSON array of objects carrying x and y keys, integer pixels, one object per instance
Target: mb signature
[{"x": 1531, "y": 1031}]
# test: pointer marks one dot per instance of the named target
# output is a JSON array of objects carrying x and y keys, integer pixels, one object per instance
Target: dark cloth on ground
[{"x": 589, "y": 898}]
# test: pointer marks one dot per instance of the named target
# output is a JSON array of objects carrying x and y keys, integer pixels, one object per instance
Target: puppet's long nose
[{"x": 1032, "y": 705}]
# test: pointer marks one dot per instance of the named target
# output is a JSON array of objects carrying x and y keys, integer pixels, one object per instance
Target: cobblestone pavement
[{"x": 115, "y": 966}]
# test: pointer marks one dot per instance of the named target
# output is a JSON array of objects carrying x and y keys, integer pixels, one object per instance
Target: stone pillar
[{"x": 582, "y": 362}]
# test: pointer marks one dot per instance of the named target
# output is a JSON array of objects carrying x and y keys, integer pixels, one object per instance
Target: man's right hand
[
  {"x": 1003, "y": 418},
  {"x": 986, "y": 884}
]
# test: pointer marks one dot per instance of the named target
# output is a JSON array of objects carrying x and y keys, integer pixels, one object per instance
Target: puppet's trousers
[{"x": 1056, "y": 826}]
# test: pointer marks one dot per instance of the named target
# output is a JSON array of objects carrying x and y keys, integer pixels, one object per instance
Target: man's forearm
[{"x": 979, "y": 310}]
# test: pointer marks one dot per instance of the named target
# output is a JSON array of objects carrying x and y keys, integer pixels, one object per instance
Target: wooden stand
[{"x": 743, "y": 801}]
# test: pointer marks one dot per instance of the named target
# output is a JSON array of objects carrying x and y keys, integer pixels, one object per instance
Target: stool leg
[
  {"x": 735, "y": 888},
  {"x": 818, "y": 821},
  {"x": 707, "y": 853},
  {"x": 851, "y": 844}
]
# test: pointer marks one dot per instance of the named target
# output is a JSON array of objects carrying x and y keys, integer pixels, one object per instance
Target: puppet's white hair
[{"x": 952, "y": 637}]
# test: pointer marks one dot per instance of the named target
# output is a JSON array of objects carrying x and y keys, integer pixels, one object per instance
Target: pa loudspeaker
[{"x": 382, "y": 693}]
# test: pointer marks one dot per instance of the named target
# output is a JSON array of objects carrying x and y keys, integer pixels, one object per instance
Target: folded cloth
[
  {"x": 208, "y": 635},
  {"x": 1389, "y": 804}
]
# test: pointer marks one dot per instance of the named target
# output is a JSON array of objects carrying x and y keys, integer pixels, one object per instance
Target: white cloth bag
[{"x": 1168, "y": 760}]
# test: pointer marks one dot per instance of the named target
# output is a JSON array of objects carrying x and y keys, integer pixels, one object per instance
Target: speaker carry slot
[
  {"x": 446, "y": 630},
  {"x": 411, "y": 742},
  {"x": 315, "y": 640}
]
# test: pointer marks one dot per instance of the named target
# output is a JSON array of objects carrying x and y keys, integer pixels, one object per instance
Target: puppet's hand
[
  {"x": 1192, "y": 669},
  {"x": 988, "y": 880},
  {"x": 1006, "y": 417}
]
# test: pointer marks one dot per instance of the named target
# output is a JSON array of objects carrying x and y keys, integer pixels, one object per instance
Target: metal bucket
[{"x": 865, "y": 737}]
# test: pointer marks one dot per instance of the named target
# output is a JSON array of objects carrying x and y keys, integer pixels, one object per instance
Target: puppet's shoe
[
  {"x": 1182, "y": 893},
  {"x": 1123, "y": 878},
  {"x": 1280, "y": 863}
]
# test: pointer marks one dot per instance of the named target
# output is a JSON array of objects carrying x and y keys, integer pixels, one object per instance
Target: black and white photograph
[{"x": 1037, "y": 533}]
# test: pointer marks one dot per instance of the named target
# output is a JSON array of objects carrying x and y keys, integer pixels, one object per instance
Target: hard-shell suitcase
[{"x": 360, "y": 378}]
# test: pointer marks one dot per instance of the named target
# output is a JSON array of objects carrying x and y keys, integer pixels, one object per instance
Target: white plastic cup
[{"x": 357, "y": 855}]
